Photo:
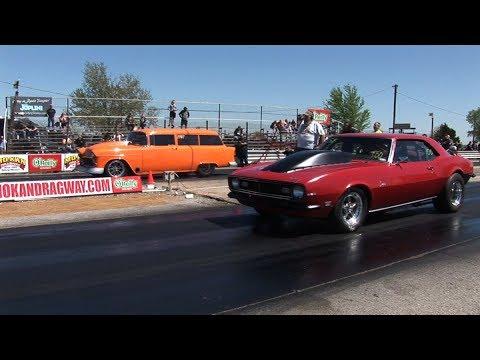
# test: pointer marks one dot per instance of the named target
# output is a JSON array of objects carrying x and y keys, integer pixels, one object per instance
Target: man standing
[
  {"x": 447, "y": 142},
  {"x": 173, "y": 113},
  {"x": 184, "y": 115},
  {"x": 51, "y": 116},
  {"x": 3, "y": 145},
  {"x": 241, "y": 151},
  {"x": 310, "y": 133},
  {"x": 130, "y": 122},
  {"x": 143, "y": 121},
  {"x": 376, "y": 128}
]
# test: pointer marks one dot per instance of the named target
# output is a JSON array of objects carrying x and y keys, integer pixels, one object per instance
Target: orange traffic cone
[{"x": 150, "y": 181}]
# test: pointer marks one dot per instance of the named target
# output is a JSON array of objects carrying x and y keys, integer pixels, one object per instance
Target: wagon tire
[
  {"x": 205, "y": 170},
  {"x": 451, "y": 198},
  {"x": 116, "y": 168},
  {"x": 350, "y": 211}
]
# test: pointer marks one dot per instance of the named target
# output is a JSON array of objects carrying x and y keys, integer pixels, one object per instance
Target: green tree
[
  {"x": 347, "y": 106},
  {"x": 97, "y": 83},
  {"x": 473, "y": 118},
  {"x": 442, "y": 130}
]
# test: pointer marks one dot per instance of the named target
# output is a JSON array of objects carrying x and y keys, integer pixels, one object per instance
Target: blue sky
[{"x": 292, "y": 76}]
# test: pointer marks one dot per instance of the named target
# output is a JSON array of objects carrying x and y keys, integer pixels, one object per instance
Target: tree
[
  {"x": 442, "y": 130},
  {"x": 97, "y": 83},
  {"x": 347, "y": 106},
  {"x": 473, "y": 118}
]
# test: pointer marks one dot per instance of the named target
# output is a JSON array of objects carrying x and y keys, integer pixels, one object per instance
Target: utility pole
[
  {"x": 431, "y": 131},
  {"x": 394, "y": 106}
]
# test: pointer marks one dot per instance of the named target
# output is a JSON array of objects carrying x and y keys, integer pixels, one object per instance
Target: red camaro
[{"x": 355, "y": 174}]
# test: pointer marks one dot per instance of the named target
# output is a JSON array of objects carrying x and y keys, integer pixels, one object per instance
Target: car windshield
[
  {"x": 362, "y": 148},
  {"x": 137, "y": 138}
]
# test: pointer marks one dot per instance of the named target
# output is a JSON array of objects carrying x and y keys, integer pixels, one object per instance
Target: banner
[
  {"x": 32, "y": 190},
  {"x": 31, "y": 105},
  {"x": 321, "y": 115},
  {"x": 13, "y": 164},
  {"x": 44, "y": 163},
  {"x": 127, "y": 184},
  {"x": 70, "y": 161}
]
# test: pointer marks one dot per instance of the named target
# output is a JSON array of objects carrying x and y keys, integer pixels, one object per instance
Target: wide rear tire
[{"x": 452, "y": 196}]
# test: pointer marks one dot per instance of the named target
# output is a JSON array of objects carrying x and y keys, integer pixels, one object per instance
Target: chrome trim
[
  {"x": 313, "y": 206},
  {"x": 393, "y": 145},
  {"x": 263, "y": 194},
  {"x": 408, "y": 203}
]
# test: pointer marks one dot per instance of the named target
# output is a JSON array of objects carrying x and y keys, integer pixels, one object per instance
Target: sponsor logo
[
  {"x": 320, "y": 117},
  {"x": 12, "y": 162},
  {"x": 44, "y": 163},
  {"x": 70, "y": 160},
  {"x": 126, "y": 184}
]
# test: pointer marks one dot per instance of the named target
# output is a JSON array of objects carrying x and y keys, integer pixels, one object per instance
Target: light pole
[{"x": 431, "y": 132}]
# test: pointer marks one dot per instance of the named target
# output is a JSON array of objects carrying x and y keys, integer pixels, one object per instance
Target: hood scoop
[{"x": 309, "y": 158}]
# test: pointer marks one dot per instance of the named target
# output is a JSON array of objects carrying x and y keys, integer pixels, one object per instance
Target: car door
[
  {"x": 414, "y": 170},
  {"x": 186, "y": 143},
  {"x": 161, "y": 155}
]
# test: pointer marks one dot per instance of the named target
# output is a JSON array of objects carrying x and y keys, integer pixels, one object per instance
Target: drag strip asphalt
[{"x": 206, "y": 261}]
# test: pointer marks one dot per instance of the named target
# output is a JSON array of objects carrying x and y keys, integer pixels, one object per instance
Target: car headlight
[
  {"x": 298, "y": 192},
  {"x": 235, "y": 183}
]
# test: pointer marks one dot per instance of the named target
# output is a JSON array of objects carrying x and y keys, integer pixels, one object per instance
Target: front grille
[
  {"x": 265, "y": 188},
  {"x": 87, "y": 162}
]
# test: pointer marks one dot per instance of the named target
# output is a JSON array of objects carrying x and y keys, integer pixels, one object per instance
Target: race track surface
[{"x": 205, "y": 261}]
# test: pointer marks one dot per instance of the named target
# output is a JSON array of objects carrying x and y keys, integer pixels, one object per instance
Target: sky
[{"x": 290, "y": 76}]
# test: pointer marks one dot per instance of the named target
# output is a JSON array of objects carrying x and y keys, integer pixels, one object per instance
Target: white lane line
[{"x": 348, "y": 276}]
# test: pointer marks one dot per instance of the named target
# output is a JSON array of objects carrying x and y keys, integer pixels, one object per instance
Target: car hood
[
  {"x": 302, "y": 175},
  {"x": 111, "y": 147}
]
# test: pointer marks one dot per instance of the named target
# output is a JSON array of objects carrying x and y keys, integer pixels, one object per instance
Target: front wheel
[
  {"x": 205, "y": 170},
  {"x": 350, "y": 211},
  {"x": 116, "y": 168},
  {"x": 451, "y": 197}
]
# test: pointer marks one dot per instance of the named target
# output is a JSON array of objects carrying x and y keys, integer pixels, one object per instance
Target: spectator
[
  {"x": 67, "y": 144},
  {"x": 446, "y": 142},
  {"x": 129, "y": 122},
  {"x": 184, "y": 115},
  {"x": 241, "y": 151},
  {"x": 469, "y": 146},
  {"x": 310, "y": 134},
  {"x": 293, "y": 125},
  {"x": 51, "y": 116},
  {"x": 143, "y": 121},
  {"x": 3, "y": 145},
  {"x": 80, "y": 142},
  {"x": 376, "y": 128},
  {"x": 20, "y": 130},
  {"x": 64, "y": 121},
  {"x": 173, "y": 113},
  {"x": 238, "y": 133},
  {"x": 31, "y": 131},
  {"x": 475, "y": 145}
]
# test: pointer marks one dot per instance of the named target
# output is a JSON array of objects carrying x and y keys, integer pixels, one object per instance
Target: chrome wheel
[
  {"x": 116, "y": 168},
  {"x": 456, "y": 193},
  {"x": 352, "y": 206}
]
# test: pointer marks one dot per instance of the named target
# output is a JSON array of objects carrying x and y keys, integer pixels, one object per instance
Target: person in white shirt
[
  {"x": 310, "y": 133},
  {"x": 173, "y": 113}
]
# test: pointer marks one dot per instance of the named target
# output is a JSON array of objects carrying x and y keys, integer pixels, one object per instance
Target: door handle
[{"x": 429, "y": 167}]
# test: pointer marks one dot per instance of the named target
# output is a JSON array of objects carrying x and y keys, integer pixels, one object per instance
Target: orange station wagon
[{"x": 158, "y": 150}]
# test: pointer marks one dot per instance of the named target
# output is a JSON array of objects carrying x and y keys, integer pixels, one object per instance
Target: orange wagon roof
[{"x": 178, "y": 131}]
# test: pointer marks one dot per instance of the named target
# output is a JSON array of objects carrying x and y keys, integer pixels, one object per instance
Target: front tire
[
  {"x": 451, "y": 198},
  {"x": 205, "y": 170},
  {"x": 116, "y": 168},
  {"x": 350, "y": 211}
]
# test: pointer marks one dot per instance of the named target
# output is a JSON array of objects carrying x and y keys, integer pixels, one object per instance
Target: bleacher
[{"x": 474, "y": 156}]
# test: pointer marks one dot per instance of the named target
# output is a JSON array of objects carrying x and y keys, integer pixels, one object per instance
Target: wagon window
[
  {"x": 162, "y": 140},
  {"x": 187, "y": 139},
  {"x": 137, "y": 138},
  {"x": 210, "y": 140}
]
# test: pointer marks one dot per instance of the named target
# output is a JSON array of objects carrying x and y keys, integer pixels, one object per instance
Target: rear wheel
[
  {"x": 116, "y": 168},
  {"x": 451, "y": 197},
  {"x": 205, "y": 170},
  {"x": 350, "y": 211}
]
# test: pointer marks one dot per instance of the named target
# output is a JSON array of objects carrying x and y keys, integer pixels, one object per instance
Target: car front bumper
[
  {"x": 280, "y": 206},
  {"x": 91, "y": 170}
]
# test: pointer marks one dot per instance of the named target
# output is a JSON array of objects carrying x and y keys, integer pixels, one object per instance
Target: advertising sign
[
  {"x": 321, "y": 115},
  {"x": 70, "y": 162},
  {"x": 31, "y": 105},
  {"x": 13, "y": 164},
  {"x": 44, "y": 163},
  {"x": 127, "y": 184},
  {"x": 30, "y": 190}
]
